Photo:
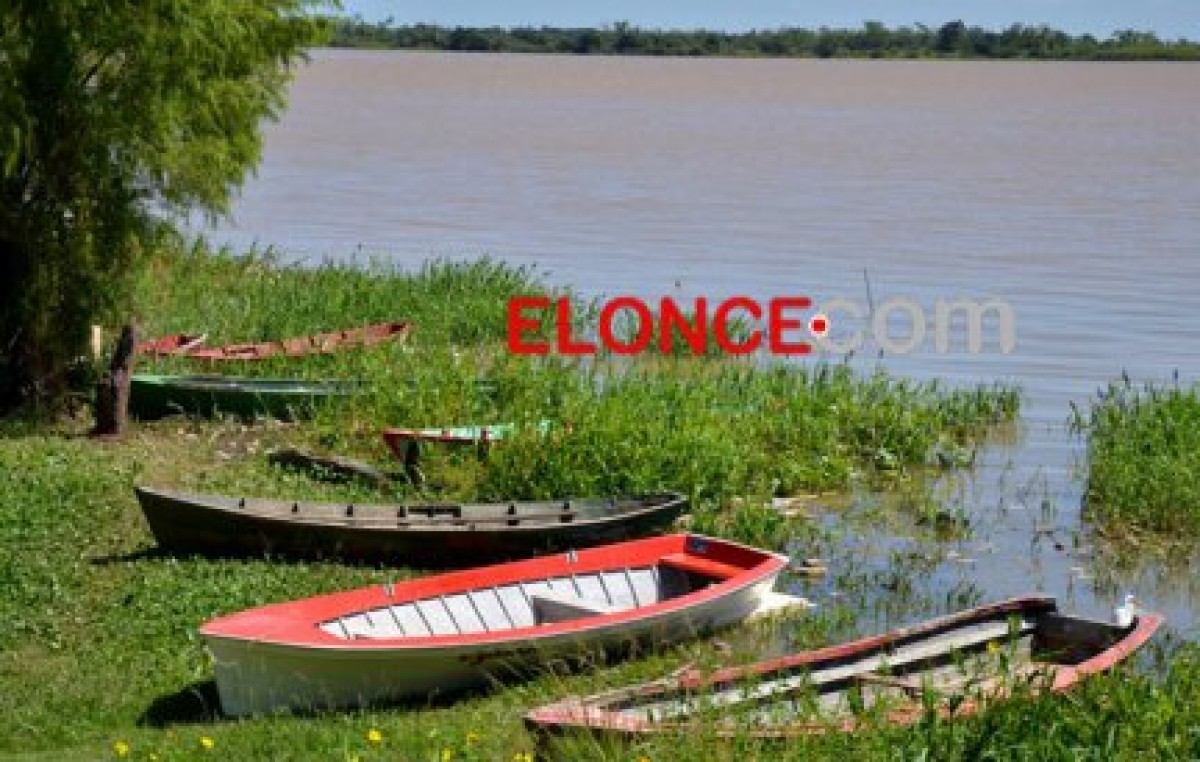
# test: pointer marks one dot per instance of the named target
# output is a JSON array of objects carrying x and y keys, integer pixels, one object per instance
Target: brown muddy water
[{"x": 1068, "y": 191}]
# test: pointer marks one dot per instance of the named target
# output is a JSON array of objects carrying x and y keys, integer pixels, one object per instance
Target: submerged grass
[
  {"x": 99, "y": 656},
  {"x": 1144, "y": 456}
]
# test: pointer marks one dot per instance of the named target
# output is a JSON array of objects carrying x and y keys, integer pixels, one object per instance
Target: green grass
[
  {"x": 98, "y": 641},
  {"x": 1144, "y": 457},
  {"x": 712, "y": 428}
]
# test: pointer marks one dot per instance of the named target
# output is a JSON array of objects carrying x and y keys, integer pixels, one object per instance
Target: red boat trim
[
  {"x": 396, "y": 438},
  {"x": 575, "y": 713},
  {"x": 296, "y": 623},
  {"x": 188, "y": 345}
]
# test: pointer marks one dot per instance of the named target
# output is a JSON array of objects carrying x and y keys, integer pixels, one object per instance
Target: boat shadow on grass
[
  {"x": 195, "y": 704},
  {"x": 199, "y": 703},
  {"x": 152, "y": 553},
  {"x": 156, "y": 553}
]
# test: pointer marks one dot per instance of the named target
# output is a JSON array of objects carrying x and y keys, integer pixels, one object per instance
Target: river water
[{"x": 1069, "y": 192}]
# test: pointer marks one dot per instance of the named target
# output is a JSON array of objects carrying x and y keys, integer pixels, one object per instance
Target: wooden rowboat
[
  {"x": 405, "y": 444},
  {"x": 155, "y": 396},
  {"x": 410, "y": 535},
  {"x": 399, "y": 439},
  {"x": 957, "y": 664},
  {"x": 192, "y": 345},
  {"x": 439, "y": 634}
]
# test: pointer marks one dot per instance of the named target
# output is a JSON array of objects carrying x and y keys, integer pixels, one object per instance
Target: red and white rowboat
[
  {"x": 957, "y": 665},
  {"x": 451, "y": 631}
]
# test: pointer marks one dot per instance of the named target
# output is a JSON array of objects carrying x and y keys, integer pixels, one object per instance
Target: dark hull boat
[
  {"x": 956, "y": 664},
  {"x": 447, "y": 632},
  {"x": 417, "y": 535}
]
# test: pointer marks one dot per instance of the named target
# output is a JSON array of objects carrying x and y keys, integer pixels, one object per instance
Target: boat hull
[
  {"x": 153, "y": 396},
  {"x": 427, "y": 536},
  {"x": 256, "y": 678},
  {"x": 192, "y": 346},
  {"x": 427, "y": 637},
  {"x": 956, "y": 666}
]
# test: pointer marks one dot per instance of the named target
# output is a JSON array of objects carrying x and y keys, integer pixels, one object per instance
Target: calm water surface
[{"x": 1070, "y": 191}]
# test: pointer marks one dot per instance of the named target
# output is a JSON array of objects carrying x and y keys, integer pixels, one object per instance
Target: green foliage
[
  {"x": 115, "y": 115},
  {"x": 1144, "y": 456},
  {"x": 952, "y": 40}
]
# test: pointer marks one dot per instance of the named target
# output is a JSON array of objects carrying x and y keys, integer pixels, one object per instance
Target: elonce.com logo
[{"x": 741, "y": 325}]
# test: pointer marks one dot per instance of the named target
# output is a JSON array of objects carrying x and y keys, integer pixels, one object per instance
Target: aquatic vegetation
[{"x": 1143, "y": 445}]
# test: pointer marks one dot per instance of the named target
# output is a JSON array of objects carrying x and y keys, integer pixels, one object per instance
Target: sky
[{"x": 1170, "y": 19}]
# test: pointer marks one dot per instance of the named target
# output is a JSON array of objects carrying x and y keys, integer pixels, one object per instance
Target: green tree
[
  {"x": 950, "y": 37},
  {"x": 116, "y": 118}
]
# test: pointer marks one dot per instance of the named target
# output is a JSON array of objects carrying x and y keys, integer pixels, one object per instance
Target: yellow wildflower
[
  {"x": 643, "y": 758},
  {"x": 207, "y": 743},
  {"x": 121, "y": 749},
  {"x": 472, "y": 737},
  {"x": 993, "y": 647},
  {"x": 447, "y": 755},
  {"x": 522, "y": 756},
  {"x": 374, "y": 736}
]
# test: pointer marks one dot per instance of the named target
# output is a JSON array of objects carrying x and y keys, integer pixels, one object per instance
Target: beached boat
[
  {"x": 957, "y": 664},
  {"x": 400, "y": 439},
  {"x": 435, "y": 635},
  {"x": 405, "y": 444},
  {"x": 192, "y": 345},
  {"x": 155, "y": 396},
  {"x": 409, "y": 535}
]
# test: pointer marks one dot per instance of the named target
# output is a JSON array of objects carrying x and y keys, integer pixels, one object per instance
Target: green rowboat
[{"x": 155, "y": 396}]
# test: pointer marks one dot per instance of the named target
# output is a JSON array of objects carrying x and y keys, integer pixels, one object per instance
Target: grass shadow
[
  {"x": 195, "y": 704},
  {"x": 152, "y": 553}
]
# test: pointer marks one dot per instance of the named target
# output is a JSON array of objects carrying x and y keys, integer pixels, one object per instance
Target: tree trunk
[{"x": 112, "y": 391}]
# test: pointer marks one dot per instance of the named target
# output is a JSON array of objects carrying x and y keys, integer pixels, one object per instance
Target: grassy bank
[
  {"x": 714, "y": 429},
  {"x": 98, "y": 651},
  {"x": 1144, "y": 456}
]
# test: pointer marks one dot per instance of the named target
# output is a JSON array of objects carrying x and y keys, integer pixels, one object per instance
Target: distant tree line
[{"x": 874, "y": 40}]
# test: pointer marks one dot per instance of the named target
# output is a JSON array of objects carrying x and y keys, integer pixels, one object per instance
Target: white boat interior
[{"x": 522, "y": 604}]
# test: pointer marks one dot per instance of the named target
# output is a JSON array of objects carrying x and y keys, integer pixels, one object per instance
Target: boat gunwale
[
  {"x": 587, "y": 713},
  {"x": 243, "y": 385},
  {"x": 295, "y": 625},
  {"x": 395, "y": 435}
]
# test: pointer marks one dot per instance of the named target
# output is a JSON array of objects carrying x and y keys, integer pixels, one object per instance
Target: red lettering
[
  {"x": 777, "y": 324},
  {"x": 518, "y": 325},
  {"x": 721, "y": 325},
  {"x": 694, "y": 333},
  {"x": 645, "y": 322},
  {"x": 566, "y": 344}
]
